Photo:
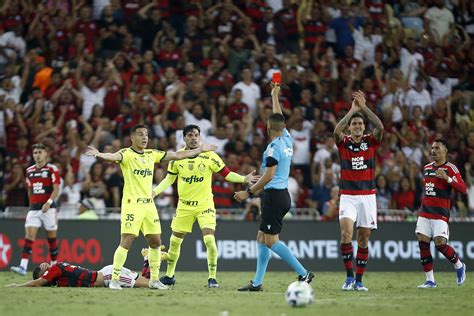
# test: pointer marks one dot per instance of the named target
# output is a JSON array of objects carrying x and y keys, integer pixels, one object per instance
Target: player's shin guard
[
  {"x": 425, "y": 256},
  {"x": 262, "y": 263},
  {"x": 53, "y": 249},
  {"x": 25, "y": 253},
  {"x": 210, "y": 242},
  {"x": 361, "y": 262},
  {"x": 154, "y": 260},
  {"x": 120, "y": 256},
  {"x": 347, "y": 253},
  {"x": 450, "y": 254},
  {"x": 173, "y": 252}
]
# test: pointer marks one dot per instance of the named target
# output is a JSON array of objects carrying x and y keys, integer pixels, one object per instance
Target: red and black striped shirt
[
  {"x": 41, "y": 181},
  {"x": 357, "y": 165},
  {"x": 63, "y": 274},
  {"x": 314, "y": 31},
  {"x": 437, "y": 199}
]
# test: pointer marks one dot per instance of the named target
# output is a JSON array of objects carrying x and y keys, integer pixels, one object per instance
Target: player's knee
[
  {"x": 346, "y": 236},
  {"x": 440, "y": 241},
  {"x": 30, "y": 237},
  {"x": 154, "y": 243}
]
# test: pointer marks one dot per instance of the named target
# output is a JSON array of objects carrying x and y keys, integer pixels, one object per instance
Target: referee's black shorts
[{"x": 275, "y": 204}]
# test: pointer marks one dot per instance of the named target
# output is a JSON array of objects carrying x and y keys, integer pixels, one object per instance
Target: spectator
[
  {"x": 300, "y": 130},
  {"x": 93, "y": 93},
  {"x": 331, "y": 208},
  {"x": 15, "y": 186},
  {"x": 442, "y": 86},
  {"x": 418, "y": 96},
  {"x": 384, "y": 196},
  {"x": 86, "y": 211},
  {"x": 411, "y": 62},
  {"x": 365, "y": 43},
  {"x": 439, "y": 21},
  {"x": 321, "y": 192},
  {"x": 404, "y": 199},
  {"x": 341, "y": 26},
  {"x": 250, "y": 91},
  {"x": 94, "y": 187}
]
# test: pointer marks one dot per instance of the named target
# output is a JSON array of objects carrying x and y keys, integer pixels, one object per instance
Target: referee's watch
[{"x": 250, "y": 193}]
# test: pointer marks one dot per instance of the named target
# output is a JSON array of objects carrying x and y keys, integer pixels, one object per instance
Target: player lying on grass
[{"x": 63, "y": 274}]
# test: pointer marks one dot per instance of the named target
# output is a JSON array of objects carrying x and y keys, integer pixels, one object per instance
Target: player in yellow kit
[
  {"x": 138, "y": 208},
  {"x": 195, "y": 201}
]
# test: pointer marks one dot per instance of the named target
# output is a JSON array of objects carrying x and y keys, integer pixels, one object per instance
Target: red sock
[
  {"x": 347, "y": 253},
  {"x": 425, "y": 256},
  {"x": 146, "y": 269},
  {"x": 25, "y": 253},
  {"x": 448, "y": 252},
  {"x": 361, "y": 262},
  {"x": 53, "y": 248}
]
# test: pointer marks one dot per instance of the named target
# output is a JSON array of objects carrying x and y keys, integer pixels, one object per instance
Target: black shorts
[{"x": 275, "y": 204}]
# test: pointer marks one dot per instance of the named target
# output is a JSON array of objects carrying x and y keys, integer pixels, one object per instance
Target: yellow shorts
[
  {"x": 136, "y": 218},
  {"x": 184, "y": 219}
]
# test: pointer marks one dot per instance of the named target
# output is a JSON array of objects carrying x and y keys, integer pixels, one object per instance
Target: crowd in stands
[{"x": 75, "y": 73}]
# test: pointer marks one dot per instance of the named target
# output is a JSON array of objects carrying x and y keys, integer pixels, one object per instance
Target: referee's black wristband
[{"x": 250, "y": 193}]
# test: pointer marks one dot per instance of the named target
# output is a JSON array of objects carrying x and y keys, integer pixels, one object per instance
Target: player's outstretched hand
[
  {"x": 91, "y": 151},
  {"x": 252, "y": 177},
  {"x": 208, "y": 147},
  {"x": 241, "y": 196},
  {"x": 12, "y": 285}
]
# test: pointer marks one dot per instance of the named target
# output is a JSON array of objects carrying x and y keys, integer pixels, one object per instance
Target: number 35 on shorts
[{"x": 130, "y": 217}]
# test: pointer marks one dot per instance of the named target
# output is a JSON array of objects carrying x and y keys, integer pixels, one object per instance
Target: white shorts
[
  {"x": 127, "y": 277},
  {"x": 432, "y": 227},
  {"x": 362, "y": 209},
  {"x": 37, "y": 219}
]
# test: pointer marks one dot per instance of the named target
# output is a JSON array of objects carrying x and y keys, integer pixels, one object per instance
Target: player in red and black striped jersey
[
  {"x": 357, "y": 186},
  {"x": 43, "y": 182},
  {"x": 440, "y": 178},
  {"x": 63, "y": 274}
]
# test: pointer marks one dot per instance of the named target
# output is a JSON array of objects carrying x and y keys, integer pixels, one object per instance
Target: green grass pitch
[{"x": 389, "y": 294}]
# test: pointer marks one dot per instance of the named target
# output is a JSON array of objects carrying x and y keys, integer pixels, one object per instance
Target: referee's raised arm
[{"x": 276, "y": 108}]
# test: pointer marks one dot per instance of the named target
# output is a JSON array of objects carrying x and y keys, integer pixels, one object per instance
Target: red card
[{"x": 276, "y": 77}]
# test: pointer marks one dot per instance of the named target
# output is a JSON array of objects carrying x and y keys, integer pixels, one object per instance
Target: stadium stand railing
[{"x": 230, "y": 214}]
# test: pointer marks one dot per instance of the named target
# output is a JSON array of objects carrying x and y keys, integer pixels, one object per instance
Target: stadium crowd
[{"x": 79, "y": 73}]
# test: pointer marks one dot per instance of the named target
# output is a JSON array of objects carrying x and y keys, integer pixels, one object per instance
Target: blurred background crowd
[{"x": 75, "y": 73}]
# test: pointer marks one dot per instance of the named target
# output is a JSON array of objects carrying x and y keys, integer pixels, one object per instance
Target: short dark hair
[
  {"x": 39, "y": 146},
  {"x": 357, "y": 114},
  {"x": 277, "y": 121},
  {"x": 189, "y": 128},
  {"x": 36, "y": 273},
  {"x": 442, "y": 141},
  {"x": 138, "y": 126}
]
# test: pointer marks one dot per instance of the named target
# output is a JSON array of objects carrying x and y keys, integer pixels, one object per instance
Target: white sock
[
  {"x": 458, "y": 264},
  {"x": 24, "y": 263},
  {"x": 430, "y": 276},
  {"x": 53, "y": 262}
]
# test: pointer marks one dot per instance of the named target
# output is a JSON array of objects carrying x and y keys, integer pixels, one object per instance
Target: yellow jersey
[
  {"x": 195, "y": 178},
  {"x": 137, "y": 169}
]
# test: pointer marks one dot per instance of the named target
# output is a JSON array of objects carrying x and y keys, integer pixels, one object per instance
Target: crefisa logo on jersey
[
  {"x": 192, "y": 179},
  {"x": 5, "y": 251}
]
